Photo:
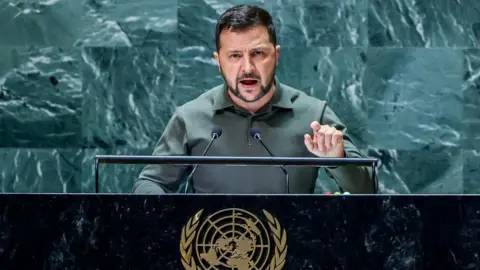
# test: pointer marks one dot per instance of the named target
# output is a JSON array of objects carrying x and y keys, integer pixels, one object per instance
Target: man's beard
[{"x": 264, "y": 89}]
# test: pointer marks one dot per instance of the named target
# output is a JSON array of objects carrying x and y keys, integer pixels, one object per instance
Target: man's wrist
[{"x": 335, "y": 167}]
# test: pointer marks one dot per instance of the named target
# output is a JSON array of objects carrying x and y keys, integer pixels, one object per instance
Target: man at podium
[{"x": 251, "y": 104}]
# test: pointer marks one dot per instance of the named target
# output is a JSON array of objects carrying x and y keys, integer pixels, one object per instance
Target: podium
[
  {"x": 222, "y": 231},
  {"x": 181, "y": 231}
]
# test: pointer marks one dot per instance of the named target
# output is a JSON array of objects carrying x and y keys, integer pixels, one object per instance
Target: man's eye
[
  {"x": 235, "y": 55},
  {"x": 258, "y": 53}
]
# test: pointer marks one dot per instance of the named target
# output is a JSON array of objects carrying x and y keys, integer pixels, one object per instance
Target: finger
[
  {"x": 328, "y": 138},
  {"x": 337, "y": 138},
  {"x": 308, "y": 142},
  {"x": 315, "y": 125},
  {"x": 320, "y": 138}
]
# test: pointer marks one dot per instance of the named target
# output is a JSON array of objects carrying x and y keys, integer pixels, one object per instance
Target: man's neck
[{"x": 253, "y": 107}]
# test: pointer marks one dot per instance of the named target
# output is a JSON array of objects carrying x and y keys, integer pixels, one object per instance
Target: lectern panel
[{"x": 48, "y": 231}]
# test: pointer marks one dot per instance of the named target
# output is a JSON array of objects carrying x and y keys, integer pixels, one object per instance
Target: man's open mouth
[{"x": 249, "y": 82}]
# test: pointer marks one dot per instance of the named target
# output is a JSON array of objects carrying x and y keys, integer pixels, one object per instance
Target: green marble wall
[{"x": 79, "y": 78}]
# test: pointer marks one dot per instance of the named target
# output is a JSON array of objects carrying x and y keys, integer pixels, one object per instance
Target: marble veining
[
  {"x": 321, "y": 23},
  {"x": 79, "y": 78},
  {"x": 40, "y": 97},
  {"x": 425, "y": 23}
]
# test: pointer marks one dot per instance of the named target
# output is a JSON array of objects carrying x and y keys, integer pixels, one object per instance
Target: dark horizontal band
[{"x": 229, "y": 160}]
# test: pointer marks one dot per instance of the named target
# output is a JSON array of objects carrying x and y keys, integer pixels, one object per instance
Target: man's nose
[{"x": 248, "y": 65}]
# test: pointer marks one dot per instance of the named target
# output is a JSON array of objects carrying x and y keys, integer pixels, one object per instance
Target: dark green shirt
[{"x": 282, "y": 122}]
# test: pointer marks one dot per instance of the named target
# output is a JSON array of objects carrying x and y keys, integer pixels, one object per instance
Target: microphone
[
  {"x": 255, "y": 133},
  {"x": 216, "y": 133}
]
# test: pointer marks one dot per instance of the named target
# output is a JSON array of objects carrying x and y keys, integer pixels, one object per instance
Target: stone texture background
[{"x": 79, "y": 78}]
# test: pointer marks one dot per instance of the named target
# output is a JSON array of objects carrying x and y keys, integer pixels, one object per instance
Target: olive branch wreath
[
  {"x": 280, "y": 237},
  {"x": 189, "y": 232}
]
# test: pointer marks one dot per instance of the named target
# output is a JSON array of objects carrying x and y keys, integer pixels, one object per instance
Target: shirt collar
[{"x": 280, "y": 98}]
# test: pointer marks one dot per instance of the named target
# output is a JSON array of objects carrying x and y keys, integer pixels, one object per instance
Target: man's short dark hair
[{"x": 244, "y": 17}]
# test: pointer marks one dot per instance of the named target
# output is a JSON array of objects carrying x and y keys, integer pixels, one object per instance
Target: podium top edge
[
  {"x": 234, "y": 160},
  {"x": 385, "y": 195}
]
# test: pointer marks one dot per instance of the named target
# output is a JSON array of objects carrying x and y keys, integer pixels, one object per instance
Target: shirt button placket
[{"x": 249, "y": 125}]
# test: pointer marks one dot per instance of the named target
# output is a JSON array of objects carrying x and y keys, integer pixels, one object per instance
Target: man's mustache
[{"x": 249, "y": 76}]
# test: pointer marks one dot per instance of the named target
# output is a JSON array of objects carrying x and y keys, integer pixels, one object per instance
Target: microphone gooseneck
[
  {"x": 216, "y": 133},
  {"x": 255, "y": 133}
]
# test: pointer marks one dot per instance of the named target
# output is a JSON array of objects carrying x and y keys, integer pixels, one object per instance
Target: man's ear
[
  {"x": 277, "y": 52},
  {"x": 215, "y": 54}
]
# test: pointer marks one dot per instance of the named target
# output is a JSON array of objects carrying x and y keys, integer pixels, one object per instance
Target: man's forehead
[
  {"x": 246, "y": 39},
  {"x": 252, "y": 44}
]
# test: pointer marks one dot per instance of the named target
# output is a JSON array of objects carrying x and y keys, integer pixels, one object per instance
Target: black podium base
[{"x": 238, "y": 232}]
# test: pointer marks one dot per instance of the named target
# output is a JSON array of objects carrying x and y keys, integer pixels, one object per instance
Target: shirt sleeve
[
  {"x": 352, "y": 178},
  {"x": 165, "y": 178}
]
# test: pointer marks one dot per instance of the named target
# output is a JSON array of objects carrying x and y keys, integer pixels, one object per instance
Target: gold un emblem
[{"x": 233, "y": 239}]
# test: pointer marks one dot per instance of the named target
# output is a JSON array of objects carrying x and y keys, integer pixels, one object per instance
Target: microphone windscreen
[
  {"x": 254, "y": 132},
  {"x": 217, "y": 130}
]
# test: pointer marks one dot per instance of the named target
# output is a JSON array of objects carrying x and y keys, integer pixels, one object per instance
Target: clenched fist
[{"x": 327, "y": 141}]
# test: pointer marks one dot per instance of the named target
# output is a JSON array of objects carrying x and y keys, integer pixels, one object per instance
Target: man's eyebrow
[{"x": 260, "y": 47}]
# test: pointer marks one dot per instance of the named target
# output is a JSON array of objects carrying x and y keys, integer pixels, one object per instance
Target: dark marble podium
[{"x": 48, "y": 231}]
